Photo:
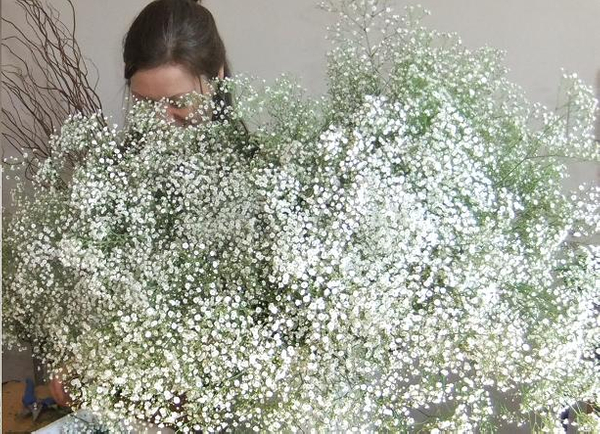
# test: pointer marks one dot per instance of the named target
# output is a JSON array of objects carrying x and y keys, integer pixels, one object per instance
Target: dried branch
[{"x": 46, "y": 81}]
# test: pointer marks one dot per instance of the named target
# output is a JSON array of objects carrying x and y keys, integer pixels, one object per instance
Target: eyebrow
[
  {"x": 178, "y": 95},
  {"x": 137, "y": 95}
]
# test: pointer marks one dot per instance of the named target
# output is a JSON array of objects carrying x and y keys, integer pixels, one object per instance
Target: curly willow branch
[{"x": 47, "y": 81}]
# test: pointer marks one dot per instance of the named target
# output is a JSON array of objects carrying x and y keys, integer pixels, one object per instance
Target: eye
[
  {"x": 174, "y": 103},
  {"x": 138, "y": 98},
  {"x": 180, "y": 102}
]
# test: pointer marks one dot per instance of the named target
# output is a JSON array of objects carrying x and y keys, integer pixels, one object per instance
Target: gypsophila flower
[{"x": 397, "y": 255}]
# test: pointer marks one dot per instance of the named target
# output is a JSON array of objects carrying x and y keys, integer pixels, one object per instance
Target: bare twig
[{"x": 46, "y": 81}]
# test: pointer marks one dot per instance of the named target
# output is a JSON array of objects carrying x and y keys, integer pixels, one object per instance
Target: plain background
[{"x": 268, "y": 37}]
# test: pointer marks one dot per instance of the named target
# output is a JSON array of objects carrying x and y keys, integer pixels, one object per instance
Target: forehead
[{"x": 163, "y": 81}]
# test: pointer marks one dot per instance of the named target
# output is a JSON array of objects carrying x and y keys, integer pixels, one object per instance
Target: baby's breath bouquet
[{"x": 397, "y": 255}]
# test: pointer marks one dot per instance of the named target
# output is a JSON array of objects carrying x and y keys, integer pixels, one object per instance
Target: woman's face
[{"x": 169, "y": 81}]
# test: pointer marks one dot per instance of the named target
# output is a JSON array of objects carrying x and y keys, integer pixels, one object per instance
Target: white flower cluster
[{"x": 395, "y": 256}]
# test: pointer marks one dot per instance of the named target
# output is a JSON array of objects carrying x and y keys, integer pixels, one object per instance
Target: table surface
[{"x": 12, "y": 422}]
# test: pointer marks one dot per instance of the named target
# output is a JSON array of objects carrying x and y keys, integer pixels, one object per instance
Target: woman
[{"x": 172, "y": 48}]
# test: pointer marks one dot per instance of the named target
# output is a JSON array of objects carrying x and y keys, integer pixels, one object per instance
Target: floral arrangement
[{"x": 396, "y": 255}]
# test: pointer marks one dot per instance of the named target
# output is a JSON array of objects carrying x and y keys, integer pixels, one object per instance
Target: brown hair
[{"x": 179, "y": 32}]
